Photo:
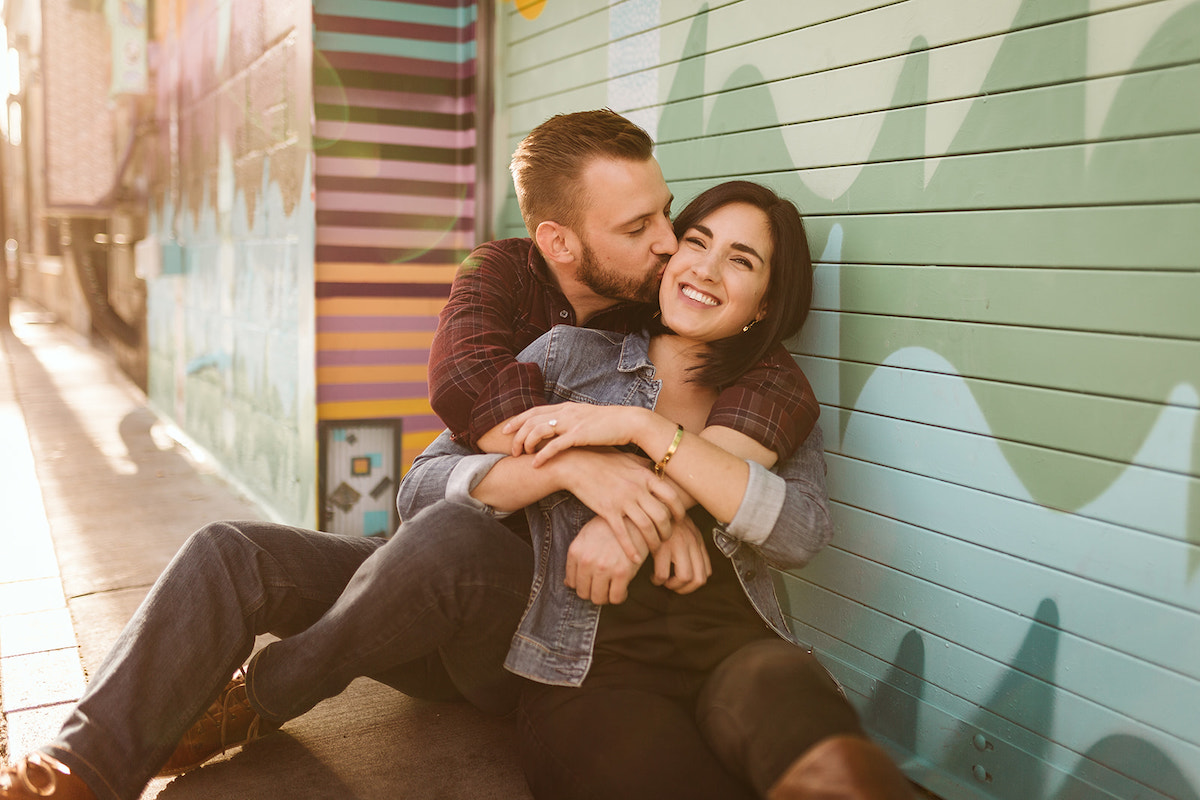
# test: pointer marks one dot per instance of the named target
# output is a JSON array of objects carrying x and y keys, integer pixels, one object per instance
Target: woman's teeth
[{"x": 698, "y": 296}]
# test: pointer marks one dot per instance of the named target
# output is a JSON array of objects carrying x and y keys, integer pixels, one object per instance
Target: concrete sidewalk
[{"x": 97, "y": 497}]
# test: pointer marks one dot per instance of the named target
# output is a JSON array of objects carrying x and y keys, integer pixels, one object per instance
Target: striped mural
[{"x": 394, "y": 142}]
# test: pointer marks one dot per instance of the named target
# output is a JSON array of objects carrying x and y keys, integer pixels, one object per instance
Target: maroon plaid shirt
[{"x": 504, "y": 297}]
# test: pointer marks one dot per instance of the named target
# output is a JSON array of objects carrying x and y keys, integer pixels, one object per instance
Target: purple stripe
[
  {"x": 394, "y": 101},
  {"x": 371, "y": 358},
  {"x": 375, "y": 324},
  {"x": 349, "y": 289},
  {"x": 395, "y": 170},
  {"x": 326, "y": 254},
  {"x": 349, "y": 392},
  {"x": 393, "y": 29},
  {"x": 397, "y": 65},
  {"x": 421, "y": 423}
]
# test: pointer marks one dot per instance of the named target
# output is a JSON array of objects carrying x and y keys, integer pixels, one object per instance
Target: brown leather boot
[
  {"x": 843, "y": 768},
  {"x": 38, "y": 775},
  {"x": 229, "y": 722}
]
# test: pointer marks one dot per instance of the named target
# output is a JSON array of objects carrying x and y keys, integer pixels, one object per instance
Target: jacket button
[{"x": 564, "y": 313}]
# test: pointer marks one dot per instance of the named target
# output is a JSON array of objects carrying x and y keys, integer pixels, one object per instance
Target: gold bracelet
[{"x": 661, "y": 466}]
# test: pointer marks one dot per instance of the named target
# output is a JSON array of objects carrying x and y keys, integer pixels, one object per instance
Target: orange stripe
[
  {"x": 372, "y": 374},
  {"x": 368, "y": 409}
]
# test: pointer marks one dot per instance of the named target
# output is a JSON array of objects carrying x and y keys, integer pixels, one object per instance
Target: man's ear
[{"x": 556, "y": 242}]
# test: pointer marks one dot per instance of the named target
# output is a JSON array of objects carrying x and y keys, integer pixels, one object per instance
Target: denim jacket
[{"x": 783, "y": 519}]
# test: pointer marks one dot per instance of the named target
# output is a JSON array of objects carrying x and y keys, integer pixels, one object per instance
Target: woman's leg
[
  {"x": 440, "y": 600},
  {"x": 609, "y": 741},
  {"x": 767, "y": 704},
  {"x": 229, "y": 582}
]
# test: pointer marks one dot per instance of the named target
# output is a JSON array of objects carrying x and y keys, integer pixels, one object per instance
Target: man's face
[{"x": 626, "y": 231}]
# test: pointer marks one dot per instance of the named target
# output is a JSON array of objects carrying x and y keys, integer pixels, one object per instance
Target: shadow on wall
[{"x": 893, "y": 713}]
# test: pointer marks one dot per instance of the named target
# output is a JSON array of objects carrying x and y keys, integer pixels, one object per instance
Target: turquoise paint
[{"x": 392, "y": 11}]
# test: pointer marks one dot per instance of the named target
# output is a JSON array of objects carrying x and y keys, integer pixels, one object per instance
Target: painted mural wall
[
  {"x": 1005, "y": 214},
  {"x": 395, "y": 108},
  {"x": 230, "y": 289}
]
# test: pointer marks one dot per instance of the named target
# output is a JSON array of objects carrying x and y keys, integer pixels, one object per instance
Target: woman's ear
[{"x": 556, "y": 242}]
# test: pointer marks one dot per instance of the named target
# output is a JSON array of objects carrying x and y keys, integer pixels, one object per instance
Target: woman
[{"x": 690, "y": 683}]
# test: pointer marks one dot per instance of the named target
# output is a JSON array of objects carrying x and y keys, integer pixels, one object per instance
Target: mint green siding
[{"x": 1003, "y": 200}]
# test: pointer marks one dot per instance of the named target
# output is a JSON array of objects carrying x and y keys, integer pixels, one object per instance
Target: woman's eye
[{"x": 693, "y": 240}]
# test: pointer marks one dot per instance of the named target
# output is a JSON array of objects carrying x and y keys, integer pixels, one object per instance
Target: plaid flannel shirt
[{"x": 504, "y": 297}]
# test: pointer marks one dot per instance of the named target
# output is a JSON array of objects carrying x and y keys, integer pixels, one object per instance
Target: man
[{"x": 429, "y": 612}]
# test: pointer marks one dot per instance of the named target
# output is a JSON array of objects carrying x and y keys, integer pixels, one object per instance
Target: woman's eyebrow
[{"x": 744, "y": 248}]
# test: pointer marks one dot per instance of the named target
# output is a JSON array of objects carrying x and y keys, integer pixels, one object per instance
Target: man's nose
[{"x": 665, "y": 243}]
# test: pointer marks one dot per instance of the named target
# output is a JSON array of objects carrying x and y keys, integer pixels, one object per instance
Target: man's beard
[{"x": 614, "y": 286}]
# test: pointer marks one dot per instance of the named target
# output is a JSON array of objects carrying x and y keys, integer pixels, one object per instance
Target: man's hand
[
  {"x": 640, "y": 508},
  {"x": 597, "y": 567},
  {"x": 682, "y": 563}
]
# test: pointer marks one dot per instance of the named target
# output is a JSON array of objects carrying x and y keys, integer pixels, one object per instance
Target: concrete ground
[{"x": 96, "y": 497}]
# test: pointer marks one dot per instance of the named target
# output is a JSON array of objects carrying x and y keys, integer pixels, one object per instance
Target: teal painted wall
[
  {"x": 230, "y": 317},
  {"x": 1004, "y": 204}
]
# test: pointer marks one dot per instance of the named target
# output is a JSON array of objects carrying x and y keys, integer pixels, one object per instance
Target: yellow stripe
[
  {"x": 367, "y": 409},
  {"x": 379, "y": 306},
  {"x": 385, "y": 273},
  {"x": 393, "y": 340},
  {"x": 372, "y": 374}
]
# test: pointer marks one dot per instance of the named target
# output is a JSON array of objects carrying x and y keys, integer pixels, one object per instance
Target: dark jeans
[
  {"x": 430, "y": 612},
  {"x": 635, "y": 732}
]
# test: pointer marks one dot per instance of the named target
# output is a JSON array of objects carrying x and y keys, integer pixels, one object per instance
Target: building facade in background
[{"x": 1005, "y": 217}]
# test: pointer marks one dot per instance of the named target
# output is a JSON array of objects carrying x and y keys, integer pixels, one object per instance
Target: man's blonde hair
[{"x": 548, "y": 163}]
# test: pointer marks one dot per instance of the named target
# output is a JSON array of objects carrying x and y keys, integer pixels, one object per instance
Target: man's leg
[
  {"x": 441, "y": 599},
  {"x": 229, "y": 582},
  {"x": 769, "y": 705}
]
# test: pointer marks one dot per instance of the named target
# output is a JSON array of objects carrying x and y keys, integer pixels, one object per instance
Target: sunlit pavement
[{"x": 97, "y": 495}]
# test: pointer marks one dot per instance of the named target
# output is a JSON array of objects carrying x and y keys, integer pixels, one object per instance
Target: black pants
[{"x": 632, "y": 731}]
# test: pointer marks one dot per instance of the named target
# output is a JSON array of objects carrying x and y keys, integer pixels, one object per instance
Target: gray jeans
[{"x": 430, "y": 612}]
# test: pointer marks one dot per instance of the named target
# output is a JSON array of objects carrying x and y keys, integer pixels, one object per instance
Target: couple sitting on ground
[{"x": 664, "y": 462}]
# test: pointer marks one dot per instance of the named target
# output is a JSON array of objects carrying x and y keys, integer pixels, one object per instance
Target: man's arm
[
  {"x": 475, "y": 380},
  {"x": 772, "y": 403}
]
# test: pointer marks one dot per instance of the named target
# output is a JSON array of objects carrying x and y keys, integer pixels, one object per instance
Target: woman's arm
[
  {"x": 711, "y": 474},
  {"x": 785, "y": 515}
]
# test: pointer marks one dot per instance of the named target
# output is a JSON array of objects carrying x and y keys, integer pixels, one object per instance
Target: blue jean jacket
[{"x": 782, "y": 522}]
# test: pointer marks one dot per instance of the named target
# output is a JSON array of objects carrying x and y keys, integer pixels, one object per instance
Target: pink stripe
[
  {"x": 420, "y": 423},
  {"x": 402, "y": 101},
  {"x": 400, "y": 170},
  {"x": 394, "y": 204},
  {"x": 394, "y": 134},
  {"x": 391, "y": 237}
]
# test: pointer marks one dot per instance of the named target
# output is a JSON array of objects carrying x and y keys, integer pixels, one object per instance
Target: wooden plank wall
[
  {"x": 394, "y": 96},
  {"x": 1004, "y": 202}
]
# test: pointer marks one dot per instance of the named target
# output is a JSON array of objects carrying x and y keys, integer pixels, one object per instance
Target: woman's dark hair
[{"x": 789, "y": 284}]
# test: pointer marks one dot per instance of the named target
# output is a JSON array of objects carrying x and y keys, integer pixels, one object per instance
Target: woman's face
[{"x": 715, "y": 283}]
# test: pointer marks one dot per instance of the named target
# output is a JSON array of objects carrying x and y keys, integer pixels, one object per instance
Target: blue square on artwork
[
  {"x": 376, "y": 459},
  {"x": 376, "y": 522},
  {"x": 339, "y": 434}
]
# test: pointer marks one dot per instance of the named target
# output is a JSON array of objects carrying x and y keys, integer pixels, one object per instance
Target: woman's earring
[{"x": 748, "y": 327}]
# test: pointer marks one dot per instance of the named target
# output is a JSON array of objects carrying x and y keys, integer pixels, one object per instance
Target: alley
[{"x": 98, "y": 495}]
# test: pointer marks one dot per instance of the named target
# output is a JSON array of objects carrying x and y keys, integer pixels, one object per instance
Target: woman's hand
[
  {"x": 682, "y": 563},
  {"x": 547, "y": 430}
]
